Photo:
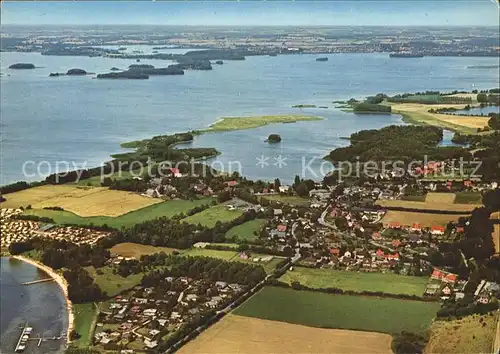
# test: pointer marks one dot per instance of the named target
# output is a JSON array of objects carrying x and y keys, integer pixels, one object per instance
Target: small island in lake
[
  {"x": 137, "y": 75},
  {"x": 114, "y": 68},
  {"x": 304, "y": 106},
  {"x": 219, "y": 62},
  {"x": 76, "y": 72},
  {"x": 273, "y": 138},
  {"x": 22, "y": 66},
  {"x": 322, "y": 59}
]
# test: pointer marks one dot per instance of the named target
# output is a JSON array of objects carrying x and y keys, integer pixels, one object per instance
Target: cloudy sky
[{"x": 353, "y": 12}]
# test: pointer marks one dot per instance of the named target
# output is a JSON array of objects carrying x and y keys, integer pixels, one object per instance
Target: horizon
[{"x": 420, "y": 13}]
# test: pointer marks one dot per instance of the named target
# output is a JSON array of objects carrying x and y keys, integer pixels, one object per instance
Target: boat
[
  {"x": 322, "y": 59},
  {"x": 405, "y": 55}
]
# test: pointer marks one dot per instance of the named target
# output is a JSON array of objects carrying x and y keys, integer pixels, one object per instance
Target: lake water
[
  {"x": 82, "y": 120},
  {"x": 41, "y": 305}
]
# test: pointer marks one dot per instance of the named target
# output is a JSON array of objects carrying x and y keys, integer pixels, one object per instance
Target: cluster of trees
[
  {"x": 74, "y": 176},
  {"x": 408, "y": 342},
  {"x": 177, "y": 234},
  {"x": 365, "y": 107},
  {"x": 81, "y": 286},
  {"x": 494, "y": 121},
  {"x": 491, "y": 98},
  {"x": 465, "y": 308},
  {"x": 206, "y": 268},
  {"x": 302, "y": 186},
  {"x": 126, "y": 184},
  {"x": 15, "y": 187},
  {"x": 398, "y": 143}
]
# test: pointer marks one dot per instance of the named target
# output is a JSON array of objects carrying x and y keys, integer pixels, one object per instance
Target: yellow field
[
  {"x": 496, "y": 232},
  {"x": 424, "y": 219},
  {"x": 136, "y": 250},
  {"x": 419, "y": 112},
  {"x": 442, "y": 198},
  {"x": 426, "y": 206},
  {"x": 237, "y": 334},
  {"x": 83, "y": 201},
  {"x": 466, "y": 335}
]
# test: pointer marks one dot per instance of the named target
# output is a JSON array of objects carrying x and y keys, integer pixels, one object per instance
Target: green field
[
  {"x": 96, "y": 180},
  {"x": 85, "y": 315},
  {"x": 326, "y": 278},
  {"x": 414, "y": 198},
  {"x": 210, "y": 216},
  {"x": 240, "y": 123},
  {"x": 113, "y": 284},
  {"x": 287, "y": 199},
  {"x": 339, "y": 311},
  {"x": 468, "y": 198},
  {"x": 245, "y": 231},
  {"x": 168, "y": 209},
  {"x": 234, "y": 257}
]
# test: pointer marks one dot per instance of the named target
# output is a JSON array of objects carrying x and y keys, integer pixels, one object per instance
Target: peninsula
[{"x": 241, "y": 123}]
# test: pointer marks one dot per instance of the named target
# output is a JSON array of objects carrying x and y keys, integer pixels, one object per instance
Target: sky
[{"x": 255, "y": 13}]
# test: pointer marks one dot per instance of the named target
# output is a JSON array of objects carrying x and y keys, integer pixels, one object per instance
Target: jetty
[
  {"x": 23, "y": 338},
  {"x": 38, "y": 281}
]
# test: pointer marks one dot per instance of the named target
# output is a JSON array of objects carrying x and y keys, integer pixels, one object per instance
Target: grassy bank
[
  {"x": 246, "y": 231},
  {"x": 85, "y": 316},
  {"x": 210, "y": 216},
  {"x": 240, "y": 123},
  {"x": 420, "y": 118}
]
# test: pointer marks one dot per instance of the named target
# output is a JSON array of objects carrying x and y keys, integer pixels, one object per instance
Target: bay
[
  {"x": 82, "y": 121},
  {"x": 42, "y": 305}
]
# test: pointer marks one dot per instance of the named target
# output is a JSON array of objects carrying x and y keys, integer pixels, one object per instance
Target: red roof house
[
  {"x": 394, "y": 256},
  {"x": 175, "y": 172},
  {"x": 376, "y": 236},
  {"x": 281, "y": 228},
  {"x": 335, "y": 251},
  {"x": 437, "y": 230},
  {"x": 396, "y": 243},
  {"x": 468, "y": 183},
  {"x": 459, "y": 229},
  {"x": 451, "y": 278},
  {"x": 395, "y": 225},
  {"x": 436, "y": 274},
  {"x": 380, "y": 253},
  {"x": 231, "y": 183},
  {"x": 416, "y": 227}
]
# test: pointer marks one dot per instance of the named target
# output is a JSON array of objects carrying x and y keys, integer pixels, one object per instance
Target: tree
[
  {"x": 277, "y": 184},
  {"x": 224, "y": 196},
  {"x": 482, "y": 97},
  {"x": 302, "y": 190}
]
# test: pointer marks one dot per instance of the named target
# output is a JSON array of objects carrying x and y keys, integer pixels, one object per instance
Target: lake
[
  {"x": 41, "y": 305},
  {"x": 83, "y": 120}
]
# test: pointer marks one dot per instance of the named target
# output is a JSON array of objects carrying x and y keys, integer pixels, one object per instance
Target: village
[{"x": 137, "y": 320}]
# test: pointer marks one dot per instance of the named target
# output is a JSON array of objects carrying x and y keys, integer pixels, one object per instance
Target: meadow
[
  {"x": 240, "y": 123},
  {"x": 85, "y": 315},
  {"x": 83, "y": 201},
  {"x": 136, "y": 250},
  {"x": 113, "y": 284},
  {"x": 326, "y": 278},
  {"x": 238, "y": 334},
  {"x": 471, "y": 334},
  {"x": 468, "y": 197},
  {"x": 167, "y": 209},
  {"x": 246, "y": 231},
  {"x": 210, "y": 216},
  {"x": 339, "y": 311}
]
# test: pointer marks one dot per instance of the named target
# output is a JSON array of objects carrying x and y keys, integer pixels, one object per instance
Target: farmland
[
  {"x": 168, "y": 209},
  {"x": 210, "y": 216},
  {"x": 417, "y": 113},
  {"x": 424, "y": 219},
  {"x": 245, "y": 231},
  {"x": 444, "y": 198},
  {"x": 387, "y": 283},
  {"x": 339, "y": 311},
  {"x": 237, "y": 334},
  {"x": 111, "y": 283},
  {"x": 471, "y": 334},
  {"x": 85, "y": 315},
  {"x": 136, "y": 250},
  {"x": 496, "y": 231},
  {"x": 468, "y": 198},
  {"x": 83, "y": 201}
]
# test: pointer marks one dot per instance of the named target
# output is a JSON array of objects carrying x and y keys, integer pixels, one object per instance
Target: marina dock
[
  {"x": 23, "y": 338},
  {"x": 38, "y": 281}
]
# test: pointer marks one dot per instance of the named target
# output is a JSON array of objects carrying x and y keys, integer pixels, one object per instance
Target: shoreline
[{"x": 63, "y": 284}]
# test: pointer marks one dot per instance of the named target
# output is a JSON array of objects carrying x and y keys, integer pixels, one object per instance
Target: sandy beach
[{"x": 63, "y": 284}]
